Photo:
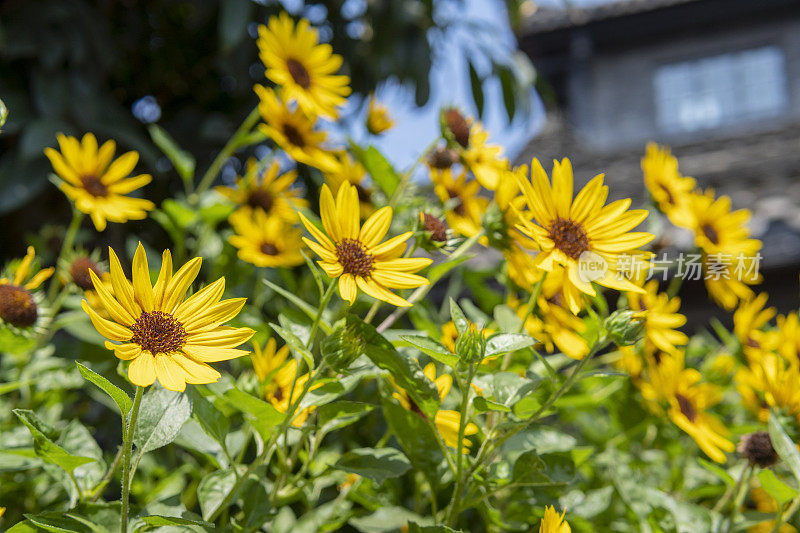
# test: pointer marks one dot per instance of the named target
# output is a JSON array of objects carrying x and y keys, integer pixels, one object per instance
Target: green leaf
[
  {"x": 407, "y": 374},
  {"x": 308, "y": 309},
  {"x": 182, "y": 160},
  {"x": 56, "y": 522},
  {"x": 386, "y": 519},
  {"x": 379, "y": 168},
  {"x": 775, "y": 487},
  {"x": 784, "y": 446},
  {"x": 413, "y": 527},
  {"x": 483, "y": 405},
  {"x": 3, "y": 113},
  {"x": 255, "y": 505},
  {"x": 718, "y": 470},
  {"x": 437, "y": 272},
  {"x": 501, "y": 343},
  {"x": 377, "y": 464},
  {"x": 477, "y": 88},
  {"x": 213, "y": 489},
  {"x": 261, "y": 415},
  {"x": 458, "y": 318},
  {"x": 340, "y": 414},
  {"x": 46, "y": 449},
  {"x": 507, "y": 83},
  {"x": 213, "y": 422},
  {"x": 179, "y": 213},
  {"x": 417, "y": 440},
  {"x": 158, "y": 520},
  {"x": 295, "y": 344},
  {"x": 432, "y": 348},
  {"x": 161, "y": 417},
  {"x": 119, "y": 396}
]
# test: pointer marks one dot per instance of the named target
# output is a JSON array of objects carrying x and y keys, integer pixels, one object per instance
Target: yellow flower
[
  {"x": 447, "y": 422},
  {"x": 661, "y": 319},
  {"x": 748, "y": 324},
  {"x": 465, "y": 206},
  {"x": 378, "y": 118},
  {"x": 350, "y": 171},
  {"x": 266, "y": 189},
  {"x": 687, "y": 401},
  {"x": 164, "y": 336},
  {"x": 484, "y": 160},
  {"x": 564, "y": 229},
  {"x": 268, "y": 359},
  {"x": 554, "y": 522},
  {"x": 354, "y": 253},
  {"x": 450, "y": 334},
  {"x": 96, "y": 184},
  {"x": 285, "y": 388},
  {"x": 770, "y": 381},
  {"x": 670, "y": 190},
  {"x": 787, "y": 336},
  {"x": 293, "y": 131},
  {"x": 304, "y": 68},
  {"x": 265, "y": 241},
  {"x": 18, "y": 306}
]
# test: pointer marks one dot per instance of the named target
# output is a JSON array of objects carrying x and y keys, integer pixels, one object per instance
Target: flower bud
[
  {"x": 471, "y": 345},
  {"x": 624, "y": 327},
  {"x": 455, "y": 127},
  {"x": 496, "y": 228}
]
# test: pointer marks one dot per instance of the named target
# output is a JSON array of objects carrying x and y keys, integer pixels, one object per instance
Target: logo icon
[{"x": 591, "y": 266}]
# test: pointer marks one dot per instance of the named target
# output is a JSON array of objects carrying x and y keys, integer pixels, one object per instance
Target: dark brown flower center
[
  {"x": 442, "y": 157},
  {"x": 268, "y": 248},
  {"x": 436, "y": 226},
  {"x": 79, "y": 271},
  {"x": 299, "y": 73},
  {"x": 261, "y": 198},
  {"x": 294, "y": 136},
  {"x": 458, "y": 126},
  {"x": 569, "y": 237},
  {"x": 686, "y": 406},
  {"x": 757, "y": 448},
  {"x": 363, "y": 194},
  {"x": 94, "y": 186},
  {"x": 710, "y": 233},
  {"x": 17, "y": 306},
  {"x": 278, "y": 395},
  {"x": 354, "y": 257},
  {"x": 665, "y": 190},
  {"x": 459, "y": 207},
  {"x": 158, "y": 332}
]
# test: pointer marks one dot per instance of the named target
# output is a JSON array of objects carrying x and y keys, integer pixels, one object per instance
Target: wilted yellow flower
[
  {"x": 304, "y": 68},
  {"x": 378, "y": 118},
  {"x": 554, "y": 522},
  {"x": 354, "y": 253},
  {"x": 96, "y": 184},
  {"x": 465, "y": 206},
  {"x": 266, "y": 189},
  {"x": 447, "y": 422},
  {"x": 564, "y": 229},
  {"x": 670, "y": 190},
  {"x": 293, "y": 131},
  {"x": 350, "y": 171},
  {"x": 265, "y": 241},
  {"x": 661, "y": 317},
  {"x": 18, "y": 306},
  {"x": 164, "y": 336}
]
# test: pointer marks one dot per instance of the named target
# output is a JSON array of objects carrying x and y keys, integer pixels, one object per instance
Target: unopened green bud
[
  {"x": 471, "y": 346},
  {"x": 496, "y": 228},
  {"x": 624, "y": 327}
]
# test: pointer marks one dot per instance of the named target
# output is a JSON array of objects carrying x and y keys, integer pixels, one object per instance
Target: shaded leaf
[
  {"x": 377, "y": 464},
  {"x": 46, "y": 449}
]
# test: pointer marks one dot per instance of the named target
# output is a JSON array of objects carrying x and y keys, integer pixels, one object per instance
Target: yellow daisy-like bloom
[
  {"x": 770, "y": 381},
  {"x": 564, "y": 229},
  {"x": 670, "y": 190},
  {"x": 447, "y": 422},
  {"x": 268, "y": 359},
  {"x": 164, "y": 336},
  {"x": 265, "y": 241},
  {"x": 554, "y": 522},
  {"x": 354, "y": 253},
  {"x": 96, "y": 184},
  {"x": 466, "y": 205},
  {"x": 661, "y": 319},
  {"x": 787, "y": 336},
  {"x": 748, "y": 323},
  {"x": 283, "y": 385},
  {"x": 304, "y": 68},
  {"x": 266, "y": 189},
  {"x": 378, "y": 118},
  {"x": 484, "y": 160},
  {"x": 293, "y": 131},
  {"x": 17, "y": 304},
  {"x": 351, "y": 171},
  {"x": 687, "y": 403}
]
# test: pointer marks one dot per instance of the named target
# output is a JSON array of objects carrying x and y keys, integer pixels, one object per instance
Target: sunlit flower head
[
  {"x": 285, "y": 386},
  {"x": 354, "y": 254},
  {"x": 770, "y": 381},
  {"x": 670, "y": 190},
  {"x": 484, "y": 160},
  {"x": 267, "y": 359},
  {"x": 447, "y": 422},
  {"x": 464, "y": 206},
  {"x": 350, "y": 171},
  {"x": 748, "y": 324},
  {"x": 294, "y": 131},
  {"x": 18, "y": 305},
  {"x": 565, "y": 228},
  {"x": 267, "y": 189},
  {"x": 163, "y": 335},
  {"x": 378, "y": 118},
  {"x": 661, "y": 318},
  {"x": 265, "y": 241},
  {"x": 303, "y": 68},
  {"x": 96, "y": 182},
  {"x": 554, "y": 522}
]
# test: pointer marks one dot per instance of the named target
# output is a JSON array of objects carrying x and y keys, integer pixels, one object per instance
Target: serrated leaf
[
  {"x": 213, "y": 489},
  {"x": 161, "y": 417},
  {"x": 416, "y": 438},
  {"x": 377, "y": 464},
  {"x": 379, "y": 168},
  {"x": 260, "y": 414},
  {"x": 482, "y": 405},
  {"x": 46, "y": 449},
  {"x": 213, "y": 422},
  {"x": 119, "y": 396}
]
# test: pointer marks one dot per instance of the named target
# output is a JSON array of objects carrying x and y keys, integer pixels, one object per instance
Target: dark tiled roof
[{"x": 546, "y": 19}]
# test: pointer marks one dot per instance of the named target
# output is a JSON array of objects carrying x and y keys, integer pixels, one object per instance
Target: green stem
[
  {"x": 529, "y": 310},
  {"x": 127, "y": 445},
  {"x": 230, "y": 147},
  {"x": 784, "y": 517},
  {"x": 742, "y": 486},
  {"x": 372, "y": 311},
  {"x": 455, "y": 503},
  {"x": 69, "y": 241},
  {"x": 323, "y": 304}
]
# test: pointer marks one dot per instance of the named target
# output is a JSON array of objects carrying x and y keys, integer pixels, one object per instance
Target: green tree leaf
[
  {"x": 46, "y": 449},
  {"x": 377, "y": 464},
  {"x": 119, "y": 396}
]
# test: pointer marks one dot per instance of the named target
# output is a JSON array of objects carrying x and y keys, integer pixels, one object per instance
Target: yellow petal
[
  {"x": 106, "y": 328},
  {"x": 211, "y": 354},
  {"x": 123, "y": 291},
  {"x": 226, "y": 337},
  {"x": 327, "y": 210},
  {"x": 201, "y": 301},
  {"x": 142, "y": 289},
  {"x": 196, "y": 373},
  {"x": 347, "y": 288},
  {"x": 142, "y": 370},
  {"x": 164, "y": 277},
  {"x": 116, "y": 311},
  {"x": 170, "y": 374},
  {"x": 375, "y": 227},
  {"x": 180, "y": 282}
]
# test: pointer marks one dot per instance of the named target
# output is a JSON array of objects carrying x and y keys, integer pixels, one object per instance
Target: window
[{"x": 719, "y": 90}]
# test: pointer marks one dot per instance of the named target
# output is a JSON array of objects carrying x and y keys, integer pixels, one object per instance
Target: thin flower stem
[
  {"x": 107, "y": 477},
  {"x": 529, "y": 310},
  {"x": 69, "y": 242},
  {"x": 230, "y": 147},
  {"x": 127, "y": 444},
  {"x": 784, "y": 517},
  {"x": 455, "y": 502},
  {"x": 406, "y": 176},
  {"x": 742, "y": 487},
  {"x": 323, "y": 304}
]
